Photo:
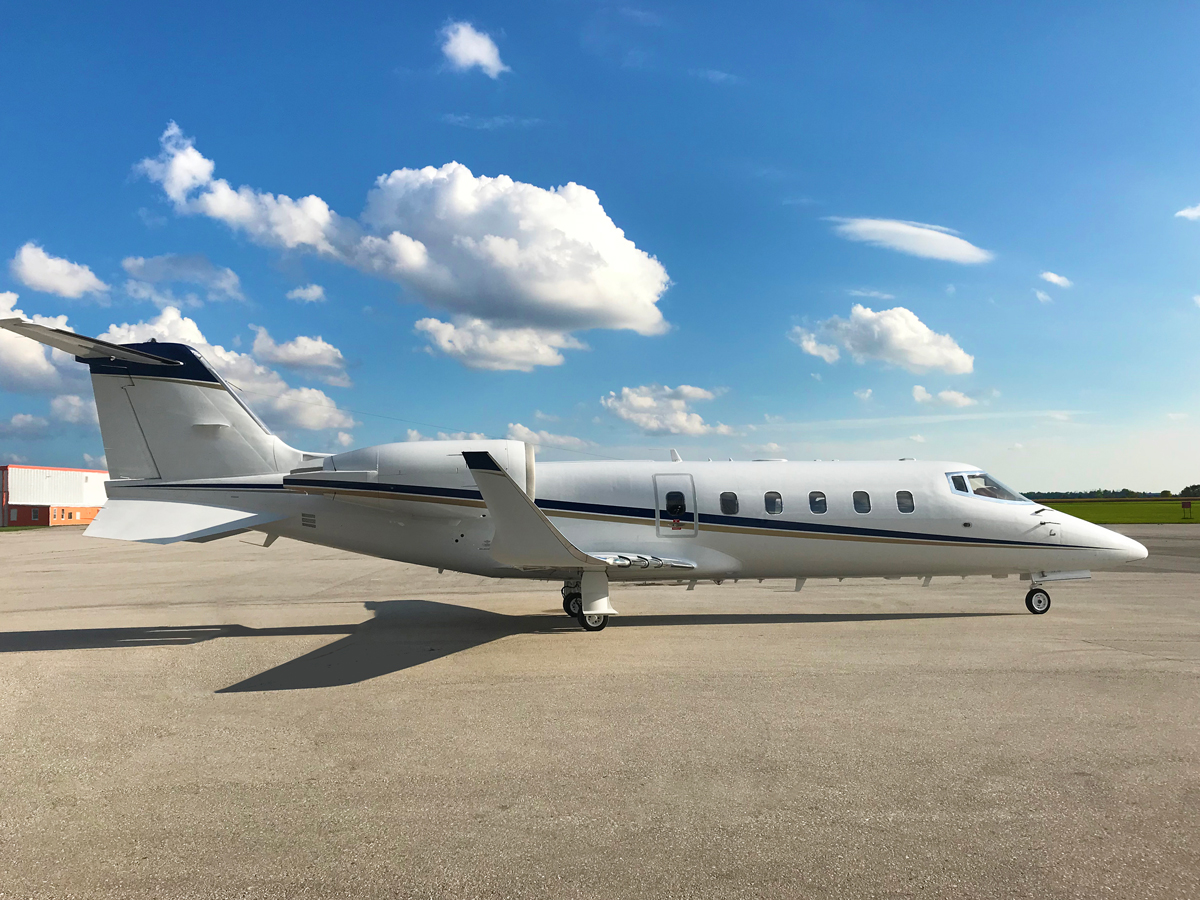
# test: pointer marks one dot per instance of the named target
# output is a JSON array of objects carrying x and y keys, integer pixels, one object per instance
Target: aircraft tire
[
  {"x": 573, "y": 605},
  {"x": 593, "y": 623},
  {"x": 1037, "y": 601}
]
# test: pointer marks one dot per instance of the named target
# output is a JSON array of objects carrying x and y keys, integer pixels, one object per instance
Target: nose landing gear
[{"x": 1037, "y": 601}]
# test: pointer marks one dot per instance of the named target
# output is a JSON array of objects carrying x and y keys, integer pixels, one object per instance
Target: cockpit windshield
[{"x": 983, "y": 485}]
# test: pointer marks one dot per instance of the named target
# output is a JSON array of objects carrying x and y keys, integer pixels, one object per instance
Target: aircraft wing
[
  {"x": 524, "y": 537},
  {"x": 165, "y": 522}
]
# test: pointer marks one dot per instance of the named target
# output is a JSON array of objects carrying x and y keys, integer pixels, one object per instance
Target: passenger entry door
[{"x": 675, "y": 505}]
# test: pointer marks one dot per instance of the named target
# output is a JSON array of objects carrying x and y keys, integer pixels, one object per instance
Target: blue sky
[{"x": 997, "y": 190}]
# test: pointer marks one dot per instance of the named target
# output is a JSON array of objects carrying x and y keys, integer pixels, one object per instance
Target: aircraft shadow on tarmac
[{"x": 400, "y": 635}]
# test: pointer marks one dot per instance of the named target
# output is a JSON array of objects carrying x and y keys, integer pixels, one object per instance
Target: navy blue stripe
[
  {"x": 647, "y": 514},
  {"x": 422, "y": 490}
]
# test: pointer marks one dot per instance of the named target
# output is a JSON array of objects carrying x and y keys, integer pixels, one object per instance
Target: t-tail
[{"x": 165, "y": 414}]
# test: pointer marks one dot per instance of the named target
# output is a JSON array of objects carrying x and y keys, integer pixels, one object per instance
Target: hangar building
[{"x": 43, "y": 495}]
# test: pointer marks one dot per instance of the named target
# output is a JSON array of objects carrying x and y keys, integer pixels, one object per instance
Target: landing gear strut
[
  {"x": 1037, "y": 601},
  {"x": 585, "y": 599}
]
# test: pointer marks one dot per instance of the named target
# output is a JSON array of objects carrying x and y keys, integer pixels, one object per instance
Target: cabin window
[
  {"x": 960, "y": 483},
  {"x": 729, "y": 504},
  {"x": 904, "y": 501},
  {"x": 773, "y": 502},
  {"x": 817, "y": 503},
  {"x": 862, "y": 502},
  {"x": 676, "y": 505}
]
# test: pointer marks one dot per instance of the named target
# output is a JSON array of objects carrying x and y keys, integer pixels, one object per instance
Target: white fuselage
[{"x": 621, "y": 507}]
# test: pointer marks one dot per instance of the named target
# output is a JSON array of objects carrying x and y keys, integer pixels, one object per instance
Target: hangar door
[{"x": 675, "y": 505}]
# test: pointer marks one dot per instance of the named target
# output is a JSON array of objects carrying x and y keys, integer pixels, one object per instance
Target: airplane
[{"x": 190, "y": 461}]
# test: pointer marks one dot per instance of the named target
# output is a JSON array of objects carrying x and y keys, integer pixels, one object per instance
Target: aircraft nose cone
[{"x": 1129, "y": 549}]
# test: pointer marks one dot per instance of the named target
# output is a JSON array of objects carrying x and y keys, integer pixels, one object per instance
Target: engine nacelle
[{"x": 435, "y": 463}]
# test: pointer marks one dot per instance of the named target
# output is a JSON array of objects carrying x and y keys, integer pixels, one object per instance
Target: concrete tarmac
[{"x": 222, "y": 720}]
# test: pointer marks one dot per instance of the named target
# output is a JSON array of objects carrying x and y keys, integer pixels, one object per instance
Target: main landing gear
[
  {"x": 592, "y": 613},
  {"x": 1037, "y": 601},
  {"x": 572, "y": 599}
]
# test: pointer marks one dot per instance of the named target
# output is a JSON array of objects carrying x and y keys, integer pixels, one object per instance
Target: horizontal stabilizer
[
  {"x": 165, "y": 522},
  {"x": 524, "y": 537},
  {"x": 80, "y": 346}
]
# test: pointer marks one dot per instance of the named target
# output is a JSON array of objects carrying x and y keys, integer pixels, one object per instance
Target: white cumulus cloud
[
  {"x": 74, "y": 410},
  {"x": 657, "y": 409},
  {"x": 807, "y": 341},
  {"x": 1191, "y": 212},
  {"x": 37, "y": 269},
  {"x": 308, "y": 293},
  {"x": 956, "y": 399},
  {"x": 1061, "y": 280},
  {"x": 27, "y": 367},
  {"x": 893, "y": 336},
  {"x": 480, "y": 345},
  {"x": 1042, "y": 296},
  {"x": 312, "y": 355},
  {"x": 465, "y": 48},
  {"x": 268, "y": 393},
  {"x": 509, "y": 254},
  {"x": 913, "y": 238},
  {"x": 414, "y": 435},
  {"x": 518, "y": 432},
  {"x": 864, "y": 394},
  {"x": 24, "y": 425},
  {"x": 916, "y": 437}
]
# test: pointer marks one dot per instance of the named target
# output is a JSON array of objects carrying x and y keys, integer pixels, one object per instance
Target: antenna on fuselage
[{"x": 675, "y": 457}]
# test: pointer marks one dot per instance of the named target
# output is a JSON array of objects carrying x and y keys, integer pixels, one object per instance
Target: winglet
[
  {"x": 83, "y": 348},
  {"x": 524, "y": 537}
]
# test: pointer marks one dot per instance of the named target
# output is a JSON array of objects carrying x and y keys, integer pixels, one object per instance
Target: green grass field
[{"x": 1125, "y": 512}]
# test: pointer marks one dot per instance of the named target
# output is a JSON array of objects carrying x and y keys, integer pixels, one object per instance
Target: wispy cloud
[
  {"x": 876, "y": 295},
  {"x": 488, "y": 123},
  {"x": 1042, "y": 296},
  {"x": 913, "y": 238},
  {"x": 715, "y": 76},
  {"x": 1061, "y": 280}
]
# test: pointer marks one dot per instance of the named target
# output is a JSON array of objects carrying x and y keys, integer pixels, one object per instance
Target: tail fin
[{"x": 165, "y": 414}]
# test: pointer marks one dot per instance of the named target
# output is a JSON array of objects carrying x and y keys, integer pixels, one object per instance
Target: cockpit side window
[
  {"x": 980, "y": 484},
  {"x": 983, "y": 485}
]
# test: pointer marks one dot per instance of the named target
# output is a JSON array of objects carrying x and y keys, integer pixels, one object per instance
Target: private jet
[{"x": 190, "y": 461}]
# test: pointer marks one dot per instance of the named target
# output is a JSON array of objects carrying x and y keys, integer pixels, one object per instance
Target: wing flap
[
  {"x": 166, "y": 522},
  {"x": 524, "y": 537}
]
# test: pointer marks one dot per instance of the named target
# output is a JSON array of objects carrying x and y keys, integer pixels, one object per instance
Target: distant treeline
[{"x": 1192, "y": 490}]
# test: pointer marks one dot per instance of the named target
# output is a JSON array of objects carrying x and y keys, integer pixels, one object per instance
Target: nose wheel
[{"x": 1037, "y": 601}]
